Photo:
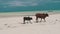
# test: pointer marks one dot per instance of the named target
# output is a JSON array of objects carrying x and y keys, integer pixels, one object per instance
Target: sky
[{"x": 18, "y": 5}]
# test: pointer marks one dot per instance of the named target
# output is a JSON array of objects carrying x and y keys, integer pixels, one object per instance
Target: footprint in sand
[
  {"x": 5, "y": 24},
  {"x": 1, "y": 29}
]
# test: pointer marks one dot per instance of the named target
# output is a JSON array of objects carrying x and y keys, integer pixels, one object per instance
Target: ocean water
[{"x": 29, "y": 5}]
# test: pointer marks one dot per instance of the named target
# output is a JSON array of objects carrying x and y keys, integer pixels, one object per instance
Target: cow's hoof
[{"x": 36, "y": 21}]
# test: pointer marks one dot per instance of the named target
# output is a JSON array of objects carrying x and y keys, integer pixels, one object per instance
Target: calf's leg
[
  {"x": 24, "y": 22},
  {"x": 30, "y": 21}
]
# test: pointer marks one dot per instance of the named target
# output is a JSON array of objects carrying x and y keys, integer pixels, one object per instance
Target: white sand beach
[{"x": 12, "y": 25}]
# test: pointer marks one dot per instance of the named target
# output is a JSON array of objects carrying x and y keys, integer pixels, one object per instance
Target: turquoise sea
[{"x": 29, "y": 5}]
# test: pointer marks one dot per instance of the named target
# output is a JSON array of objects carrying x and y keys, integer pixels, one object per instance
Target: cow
[
  {"x": 27, "y": 18},
  {"x": 42, "y": 16}
]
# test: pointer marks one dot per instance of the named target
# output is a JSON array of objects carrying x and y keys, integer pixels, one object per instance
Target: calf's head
[{"x": 30, "y": 18}]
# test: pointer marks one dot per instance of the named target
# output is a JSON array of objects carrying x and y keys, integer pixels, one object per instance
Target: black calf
[{"x": 27, "y": 18}]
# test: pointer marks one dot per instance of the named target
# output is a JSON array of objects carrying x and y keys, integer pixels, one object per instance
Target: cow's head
[{"x": 47, "y": 15}]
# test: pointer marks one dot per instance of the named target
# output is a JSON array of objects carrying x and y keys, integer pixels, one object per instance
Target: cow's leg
[
  {"x": 41, "y": 20},
  {"x": 44, "y": 20},
  {"x": 36, "y": 19}
]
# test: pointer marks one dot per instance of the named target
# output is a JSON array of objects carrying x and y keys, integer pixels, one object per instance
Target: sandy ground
[{"x": 13, "y": 25}]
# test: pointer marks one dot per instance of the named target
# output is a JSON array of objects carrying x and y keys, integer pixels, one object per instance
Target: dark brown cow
[{"x": 42, "y": 16}]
